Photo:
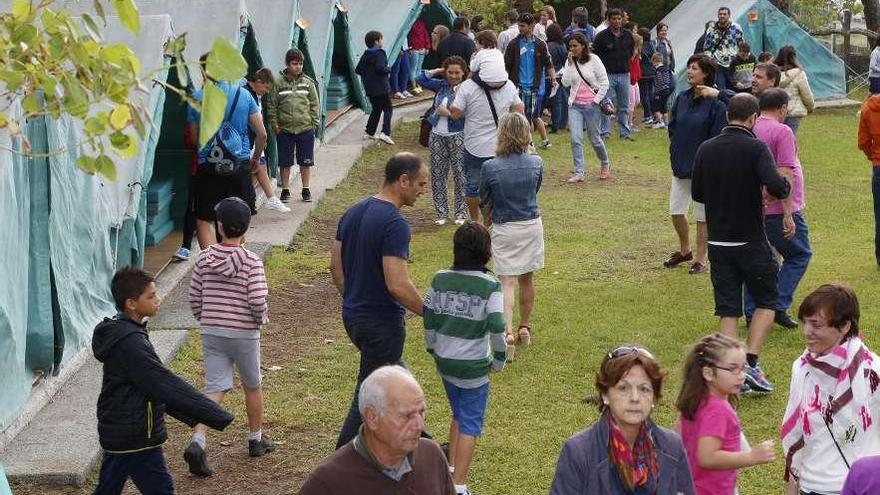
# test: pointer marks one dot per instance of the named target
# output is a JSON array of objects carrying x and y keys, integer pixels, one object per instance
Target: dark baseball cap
[{"x": 234, "y": 214}]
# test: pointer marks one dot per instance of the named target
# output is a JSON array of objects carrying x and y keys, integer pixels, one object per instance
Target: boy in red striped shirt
[{"x": 228, "y": 294}]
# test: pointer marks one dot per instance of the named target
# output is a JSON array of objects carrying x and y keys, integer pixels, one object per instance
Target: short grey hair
[{"x": 373, "y": 392}]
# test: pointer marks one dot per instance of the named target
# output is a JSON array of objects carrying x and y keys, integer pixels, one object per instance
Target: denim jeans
[
  {"x": 582, "y": 117},
  {"x": 794, "y": 123},
  {"x": 618, "y": 91},
  {"x": 796, "y": 254},
  {"x": 875, "y": 189},
  {"x": 416, "y": 59},
  {"x": 400, "y": 73},
  {"x": 380, "y": 343},
  {"x": 646, "y": 90},
  {"x": 559, "y": 109},
  {"x": 147, "y": 469}
]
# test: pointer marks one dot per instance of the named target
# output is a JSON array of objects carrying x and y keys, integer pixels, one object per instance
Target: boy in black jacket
[
  {"x": 374, "y": 71},
  {"x": 136, "y": 392}
]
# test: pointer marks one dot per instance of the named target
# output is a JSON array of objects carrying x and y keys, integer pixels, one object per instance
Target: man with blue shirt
[
  {"x": 241, "y": 111},
  {"x": 527, "y": 59},
  {"x": 368, "y": 262},
  {"x": 615, "y": 47}
]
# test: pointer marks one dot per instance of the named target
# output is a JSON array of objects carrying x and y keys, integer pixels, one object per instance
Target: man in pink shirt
[{"x": 783, "y": 219}]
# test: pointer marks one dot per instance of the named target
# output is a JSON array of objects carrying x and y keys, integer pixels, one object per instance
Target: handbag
[
  {"x": 425, "y": 126},
  {"x": 605, "y": 106},
  {"x": 221, "y": 161}
]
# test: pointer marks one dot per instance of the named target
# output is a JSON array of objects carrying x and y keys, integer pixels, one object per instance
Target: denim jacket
[
  {"x": 510, "y": 184},
  {"x": 443, "y": 90},
  {"x": 584, "y": 467}
]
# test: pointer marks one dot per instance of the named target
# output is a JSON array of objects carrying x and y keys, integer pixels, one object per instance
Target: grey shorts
[{"x": 220, "y": 353}]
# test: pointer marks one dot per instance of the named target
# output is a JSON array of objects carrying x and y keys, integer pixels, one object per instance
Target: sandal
[{"x": 525, "y": 335}]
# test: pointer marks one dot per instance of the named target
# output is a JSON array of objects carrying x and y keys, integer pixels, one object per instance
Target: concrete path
[{"x": 59, "y": 442}]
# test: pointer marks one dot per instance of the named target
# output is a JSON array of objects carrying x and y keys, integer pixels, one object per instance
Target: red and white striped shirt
[{"x": 228, "y": 292}]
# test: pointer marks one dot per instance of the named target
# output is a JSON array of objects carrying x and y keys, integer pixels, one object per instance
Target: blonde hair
[{"x": 514, "y": 134}]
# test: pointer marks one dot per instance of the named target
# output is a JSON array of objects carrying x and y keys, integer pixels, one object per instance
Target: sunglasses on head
[{"x": 627, "y": 350}]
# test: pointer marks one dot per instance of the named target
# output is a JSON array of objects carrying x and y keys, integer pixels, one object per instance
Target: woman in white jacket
[
  {"x": 794, "y": 82},
  {"x": 586, "y": 76}
]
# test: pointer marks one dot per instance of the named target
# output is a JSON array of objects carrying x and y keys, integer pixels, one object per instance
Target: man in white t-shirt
[
  {"x": 481, "y": 128},
  {"x": 512, "y": 31}
]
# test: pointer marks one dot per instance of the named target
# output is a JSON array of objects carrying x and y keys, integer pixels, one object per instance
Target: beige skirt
[{"x": 518, "y": 247}]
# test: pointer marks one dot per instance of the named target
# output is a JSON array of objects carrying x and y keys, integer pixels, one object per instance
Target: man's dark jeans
[
  {"x": 380, "y": 342},
  {"x": 875, "y": 189}
]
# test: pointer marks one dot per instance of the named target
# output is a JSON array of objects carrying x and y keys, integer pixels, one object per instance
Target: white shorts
[{"x": 680, "y": 200}]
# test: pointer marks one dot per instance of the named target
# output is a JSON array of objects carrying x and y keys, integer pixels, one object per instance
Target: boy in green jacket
[{"x": 293, "y": 115}]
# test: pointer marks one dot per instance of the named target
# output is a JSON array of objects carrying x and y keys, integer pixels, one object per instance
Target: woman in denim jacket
[
  {"x": 625, "y": 452},
  {"x": 446, "y": 144},
  {"x": 509, "y": 186}
]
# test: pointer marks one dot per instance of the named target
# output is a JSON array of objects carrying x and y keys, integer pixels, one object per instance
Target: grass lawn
[{"x": 603, "y": 285}]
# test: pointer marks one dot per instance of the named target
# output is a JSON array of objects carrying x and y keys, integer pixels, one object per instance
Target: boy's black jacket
[
  {"x": 138, "y": 390},
  {"x": 374, "y": 71}
]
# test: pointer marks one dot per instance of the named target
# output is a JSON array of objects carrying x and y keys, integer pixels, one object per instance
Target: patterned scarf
[
  {"x": 637, "y": 468},
  {"x": 830, "y": 392}
]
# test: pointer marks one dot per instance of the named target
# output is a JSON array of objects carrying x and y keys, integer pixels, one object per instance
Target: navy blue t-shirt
[{"x": 369, "y": 230}]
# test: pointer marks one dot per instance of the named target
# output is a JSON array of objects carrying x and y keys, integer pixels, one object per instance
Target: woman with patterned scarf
[
  {"x": 625, "y": 453},
  {"x": 832, "y": 414}
]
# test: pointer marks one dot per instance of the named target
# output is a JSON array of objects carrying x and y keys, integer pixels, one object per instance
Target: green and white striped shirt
[{"x": 464, "y": 326}]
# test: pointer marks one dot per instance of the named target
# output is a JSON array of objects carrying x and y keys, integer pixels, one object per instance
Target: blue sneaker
[
  {"x": 745, "y": 389},
  {"x": 182, "y": 254},
  {"x": 756, "y": 380}
]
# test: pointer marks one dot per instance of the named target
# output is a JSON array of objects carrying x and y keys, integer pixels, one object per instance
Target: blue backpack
[{"x": 221, "y": 160}]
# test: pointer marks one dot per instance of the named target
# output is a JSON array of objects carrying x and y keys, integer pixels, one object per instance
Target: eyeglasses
[
  {"x": 734, "y": 369},
  {"x": 627, "y": 350}
]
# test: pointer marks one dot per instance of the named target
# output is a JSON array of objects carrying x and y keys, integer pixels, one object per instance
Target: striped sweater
[
  {"x": 228, "y": 292},
  {"x": 464, "y": 326}
]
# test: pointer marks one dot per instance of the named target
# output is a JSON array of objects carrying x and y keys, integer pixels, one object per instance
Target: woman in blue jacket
[
  {"x": 446, "y": 144},
  {"x": 625, "y": 453},
  {"x": 696, "y": 117}
]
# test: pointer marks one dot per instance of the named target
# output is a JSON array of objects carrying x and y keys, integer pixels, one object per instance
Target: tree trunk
[
  {"x": 782, "y": 5},
  {"x": 872, "y": 14}
]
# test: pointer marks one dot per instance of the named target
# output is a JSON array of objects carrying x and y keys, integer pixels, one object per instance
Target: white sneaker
[
  {"x": 440, "y": 221},
  {"x": 407, "y": 94},
  {"x": 274, "y": 203},
  {"x": 367, "y": 137},
  {"x": 398, "y": 96},
  {"x": 460, "y": 221},
  {"x": 384, "y": 138}
]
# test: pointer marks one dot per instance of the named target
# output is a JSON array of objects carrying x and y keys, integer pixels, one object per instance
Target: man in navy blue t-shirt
[{"x": 369, "y": 267}]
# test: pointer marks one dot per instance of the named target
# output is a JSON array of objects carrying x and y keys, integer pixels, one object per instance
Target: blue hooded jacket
[{"x": 693, "y": 121}]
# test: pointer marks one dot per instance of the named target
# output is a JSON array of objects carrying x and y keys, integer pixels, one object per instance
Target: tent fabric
[
  {"x": 393, "y": 18},
  {"x": 274, "y": 24},
  {"x": 325, "y": 18},
  {"x": 4, "y": 485},
  {"x": 766, "y": 29},
  {"x": 15, "y": 200}
]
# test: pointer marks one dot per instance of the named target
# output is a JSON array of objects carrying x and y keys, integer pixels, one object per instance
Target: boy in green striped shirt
[{"x": 464, "y": 331}]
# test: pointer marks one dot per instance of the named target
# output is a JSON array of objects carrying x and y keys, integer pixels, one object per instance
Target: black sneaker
[
  {"x": 306, "y": 195},
  {"x": 195, "y": 457},
  {"x": 782, "y": 319},
  {"x": 285, "y": 195},
  {"x": 256, "y": 448}
]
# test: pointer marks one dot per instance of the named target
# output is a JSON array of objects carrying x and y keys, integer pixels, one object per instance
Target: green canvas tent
[
  {"x": 66, "y": 231},
  {"x": 277, "y": 28},
  {"x": 766, "y": 29}
]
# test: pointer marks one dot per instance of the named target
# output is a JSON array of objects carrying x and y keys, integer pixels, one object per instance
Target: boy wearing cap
[{"x": 228, "y": 296}]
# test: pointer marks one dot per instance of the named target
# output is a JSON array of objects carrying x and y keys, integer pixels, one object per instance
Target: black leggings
[{"x": 381, "y": 105}]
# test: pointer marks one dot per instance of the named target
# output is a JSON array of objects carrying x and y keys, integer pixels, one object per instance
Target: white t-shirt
[
  {"x": 489, "y": 62},
  {"x": 480, "y": 132},
  {"x": 442, "y": 127}
]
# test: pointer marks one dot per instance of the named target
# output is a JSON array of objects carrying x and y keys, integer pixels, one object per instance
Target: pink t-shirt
[
  {"x": 783, "y": 145},
  {"x": 585, "y": 95},
  {"x": 715, "y": 418}
]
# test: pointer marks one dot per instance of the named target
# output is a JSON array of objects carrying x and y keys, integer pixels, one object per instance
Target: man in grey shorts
[{"x": 228, "y": 296}]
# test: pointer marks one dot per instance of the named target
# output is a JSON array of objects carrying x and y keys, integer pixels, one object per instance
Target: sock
[
  {"x": 255, "y": 435},
  {"x": 752, "y": 359},
  {"x": 460, "y": 489},
  {"x": 200, "y": 439}
]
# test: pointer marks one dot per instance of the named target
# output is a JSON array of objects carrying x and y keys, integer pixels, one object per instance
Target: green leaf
[
  {"x": 105, "y": 166},
  {"x": 122, "y": 56},
  {"x": 22, "y": 10},
  {"x": 95, "y": 126},
  {"x": 25, "y": 33},
  {"x": 4, "y": 120},
  {"x": 182, "y": 74},
  {"x": 128, "y": 14},
  {"x": 31, "y": 104},
  {"x": 138, "y": 122},
  {"x": 225, "y": 62},
  {"x": 87, "y": 164},
  {"x": 120, "y": 117},
  {"x": 91, "y": 27},
  {"x": 12, "y": 79},
  {"x": 123, "y": 144},
  {"x": 99, "y": 9},
  {"x": 212, "y": 113},
  {"x": 76, "y": 102}
]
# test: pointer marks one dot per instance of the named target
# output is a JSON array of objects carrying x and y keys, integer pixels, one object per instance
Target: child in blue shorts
[{"x": 464, "y": 331}]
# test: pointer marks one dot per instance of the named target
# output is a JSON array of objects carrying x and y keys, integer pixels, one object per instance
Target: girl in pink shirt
[{"x": 714, "y": 373}]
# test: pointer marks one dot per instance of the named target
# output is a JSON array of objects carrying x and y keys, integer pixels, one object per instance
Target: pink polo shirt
[{"x": 783, "y": 145}]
